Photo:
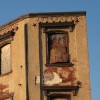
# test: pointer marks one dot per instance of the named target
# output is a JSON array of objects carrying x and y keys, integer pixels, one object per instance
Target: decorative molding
[
  {"x": 57, "y": 19},
  {"x": 45, "y": 17},
  {"x": 73, "y": 20},
  {"x": 70, "y": 25},
  {"x": 34, "y": 25},
  {"x": 8, "y": 29},
  {"x": 70, "y": 88},
  {"x": 66, "y": 89},
  {"x": 7, "y": 35}
]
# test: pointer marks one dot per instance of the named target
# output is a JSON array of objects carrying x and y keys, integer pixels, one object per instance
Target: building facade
[{"x": 44, "y": 56}]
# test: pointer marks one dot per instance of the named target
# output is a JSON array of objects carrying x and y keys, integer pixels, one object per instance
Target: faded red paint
[
  {"x": 4, "y": 94},
  {"x": 58, "y": 48},
  {"x": 66, "y": 74}
]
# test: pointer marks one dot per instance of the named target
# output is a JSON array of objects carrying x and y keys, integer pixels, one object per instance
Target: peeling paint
[
  {"x": 60, "y": 75},
  {"x": 5, "y": 94},
  {"x": 56, "y": 80}
]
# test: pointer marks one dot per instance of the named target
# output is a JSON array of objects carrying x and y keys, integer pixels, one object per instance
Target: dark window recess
[{"x": 59, "y": 97}]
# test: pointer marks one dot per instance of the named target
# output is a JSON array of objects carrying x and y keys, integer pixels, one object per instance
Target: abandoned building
[{"x": 44, "y": 56}]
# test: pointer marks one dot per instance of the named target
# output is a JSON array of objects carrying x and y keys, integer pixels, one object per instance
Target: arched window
[{"x": 5, "y": 57}]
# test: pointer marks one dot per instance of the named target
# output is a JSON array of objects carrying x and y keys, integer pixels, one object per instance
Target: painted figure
[{"x": 58, "y": 48}]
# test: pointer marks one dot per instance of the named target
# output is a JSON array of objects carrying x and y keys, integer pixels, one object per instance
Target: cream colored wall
[
  {"x": 33, "y": 60},
  {"x": 18, "y": 75},
  {"x": 83, "y": 69},
  {"x": 79, "y": 56}
]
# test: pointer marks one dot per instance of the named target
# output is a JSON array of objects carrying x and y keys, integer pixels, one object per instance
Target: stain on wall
[
  {"x": 59, "y": 76},
  {"x": 58, "y": 48},
  {"x": 4, "y": 92}
]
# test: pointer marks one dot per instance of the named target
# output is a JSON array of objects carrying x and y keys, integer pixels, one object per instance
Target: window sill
[
  {"x": 73, "y": 89},
  {"x": 59, "y": 65},
  {"x": 6, "y": 73},
  {"x": 52, "y": 88}
]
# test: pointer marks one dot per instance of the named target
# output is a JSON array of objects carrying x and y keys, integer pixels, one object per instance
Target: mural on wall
[
  {"x": 59, "y": 76},
  {"x": 58, "y": 48},
  {"x": 4, "y": 93}
]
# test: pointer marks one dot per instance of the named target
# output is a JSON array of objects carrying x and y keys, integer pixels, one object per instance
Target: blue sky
[{"x": 11, "y": 9}]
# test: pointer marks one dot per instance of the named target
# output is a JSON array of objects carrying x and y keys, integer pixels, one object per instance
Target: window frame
[
  {"x": 52, "y": 32},
  {"x": 44, "y": 27},
  {"x": 1, "y": 46},
  {"x": 4, "y": 40}
]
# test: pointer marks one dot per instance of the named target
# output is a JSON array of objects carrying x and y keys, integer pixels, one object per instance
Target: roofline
[
  {"x": 56, "y": 13},
  {"x": 30, "y": 15}
]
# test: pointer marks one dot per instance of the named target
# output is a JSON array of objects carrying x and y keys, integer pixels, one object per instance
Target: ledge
[
  {"x": 73, "y": 89},
  {"x": 59, "y": 65},
  {"x": 6, "y": 73},
  {"x": 32, "y": 15},
  {"x": 6, "y": 36},
  {"x": 64, "y": 24},
  {"x": 54, "y": 88}
]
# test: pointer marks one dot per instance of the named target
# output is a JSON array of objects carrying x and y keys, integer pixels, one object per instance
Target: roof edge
[
  {"x": 30, "y": 15},
  {"x": 56, "y": 13}
]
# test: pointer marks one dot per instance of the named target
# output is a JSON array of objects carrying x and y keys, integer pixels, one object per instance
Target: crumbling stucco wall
[{"x": 78, "y": 50}]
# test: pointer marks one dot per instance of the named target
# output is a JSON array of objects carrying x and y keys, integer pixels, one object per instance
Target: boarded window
[
  {"x": 5, "y": 59},
  {"x": 58, "y": 48}
]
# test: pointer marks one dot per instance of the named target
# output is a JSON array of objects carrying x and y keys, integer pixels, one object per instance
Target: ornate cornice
[
  {"x": 11, "y": 28},
  {"x": 40, "y": 17},
  {"x": 69, "y": 24},
  {"x": 7, "y": 35}
]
